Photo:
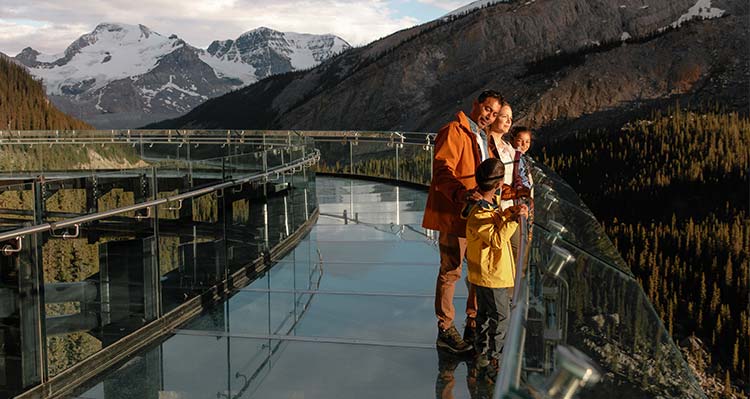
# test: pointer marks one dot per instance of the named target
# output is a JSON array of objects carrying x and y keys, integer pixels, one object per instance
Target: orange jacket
[{"x": 457, "y": 156}]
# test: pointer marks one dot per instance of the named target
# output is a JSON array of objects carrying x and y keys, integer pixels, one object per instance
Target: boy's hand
[
  {"x": 518, "y": 210},
  {"x": 523, "y": 192}
]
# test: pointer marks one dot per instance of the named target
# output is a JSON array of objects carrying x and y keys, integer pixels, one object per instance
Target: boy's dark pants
[{"x": 493, "y": 317}]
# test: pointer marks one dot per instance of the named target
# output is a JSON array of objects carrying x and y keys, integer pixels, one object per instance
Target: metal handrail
[
  {"x": 377, "y": 137},
  {"x": 195, "y": 137},
  {"x": 308, "y": 160},
  {"x": 510, "y": 369}
]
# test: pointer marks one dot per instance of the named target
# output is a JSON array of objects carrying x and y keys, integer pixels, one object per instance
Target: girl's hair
[
  {"x": 516, "y": 130},
  {"x": 489, "y": 173}
]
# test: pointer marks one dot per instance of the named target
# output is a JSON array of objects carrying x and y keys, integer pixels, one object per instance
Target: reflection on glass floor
[{"x": 348, "y": 313}]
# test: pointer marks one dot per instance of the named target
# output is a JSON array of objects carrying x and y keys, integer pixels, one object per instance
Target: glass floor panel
[
  {"x": 390, "y": 251},
  {"x": 397, "y": 278},
  {"x": 335, "y": 216},
  {"x": 348, "y": 313},
  {"x": 217, "y": 366},
  {"x": 379, "y": 318},
  {"x": 374, "y": 232}
]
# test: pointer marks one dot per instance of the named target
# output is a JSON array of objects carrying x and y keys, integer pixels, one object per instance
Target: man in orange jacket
[{"x": 460, "y": 146}]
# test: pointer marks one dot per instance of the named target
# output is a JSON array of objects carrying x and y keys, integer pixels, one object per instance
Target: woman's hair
[{"x": 489, "y": 173}]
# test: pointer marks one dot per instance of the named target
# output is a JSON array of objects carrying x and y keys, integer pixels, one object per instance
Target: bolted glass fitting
[
  {"x": 557, "y": 230},
  {"x": 550, "y": 198},
  {"x": 574, "y": 371},
  {"x": 559, "y": 258}
]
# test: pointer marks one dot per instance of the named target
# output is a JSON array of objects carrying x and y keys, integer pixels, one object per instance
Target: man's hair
[
  {"x": 489, "y": 94},
  {"x": 518, "y": 129},
  {"x": 489, "y": 173}
]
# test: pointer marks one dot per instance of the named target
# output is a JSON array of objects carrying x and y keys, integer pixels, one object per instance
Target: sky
[{"x": 49, "y": 26}]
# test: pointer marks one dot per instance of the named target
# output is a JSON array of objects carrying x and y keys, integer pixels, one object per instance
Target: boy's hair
[{"x": 489, "y": 173}]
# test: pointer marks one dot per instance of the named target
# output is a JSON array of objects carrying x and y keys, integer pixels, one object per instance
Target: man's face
[
  {"x": 503, "y": 121},
  {"x": 485, "y": 112}
]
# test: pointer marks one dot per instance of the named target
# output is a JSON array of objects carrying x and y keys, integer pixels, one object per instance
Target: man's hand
[
  {"x": 472, "y": 196},
  {"x": 510, "y": 193}
]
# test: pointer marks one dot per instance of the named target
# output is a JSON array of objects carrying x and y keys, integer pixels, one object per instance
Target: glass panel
[
  {"x": 16, "y": 205},
  {"x": 552, "y": 210},
  {"x": 22, "y": 353},
  {"x": 604, "y": 313},
  {"x": 98, "y": 286},
  {"x": 334, "y": 155},
  {"x": 375, "y": 159},
  {"x": 415, "y": 163}
]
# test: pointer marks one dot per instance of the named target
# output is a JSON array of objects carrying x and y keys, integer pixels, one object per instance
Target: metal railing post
[{"x": 510, "y": 369}]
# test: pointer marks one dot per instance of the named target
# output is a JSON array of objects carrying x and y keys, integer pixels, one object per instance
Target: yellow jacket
[{"x": 488, "y": 252}]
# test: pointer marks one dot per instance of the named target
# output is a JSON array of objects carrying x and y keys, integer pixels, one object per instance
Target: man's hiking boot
[{"x": 451, "y": 340}]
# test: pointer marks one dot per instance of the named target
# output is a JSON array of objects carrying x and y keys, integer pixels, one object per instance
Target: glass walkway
[
  {"x": 233, "y": 264},
  {"x": 349, "y": 313}
]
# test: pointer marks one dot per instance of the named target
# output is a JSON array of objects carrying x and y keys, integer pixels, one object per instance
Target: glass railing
[
  {"x": 579, "y": 304},
  {"x": 111, "y": 239},
  {"x": 581, "y": 297},
  {"x": 579, "y": 314}
]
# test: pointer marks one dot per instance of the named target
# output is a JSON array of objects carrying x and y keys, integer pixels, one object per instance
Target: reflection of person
[
  {"x": 490, "y": 262},
  {"x": 459, "y": 147},
  {"x": 446, "y": 380},
  {"x": 445, "y": 384}
]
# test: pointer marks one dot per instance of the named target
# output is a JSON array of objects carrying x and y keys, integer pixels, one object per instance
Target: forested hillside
[
  {"x": 24, "y": 105},
  {"x": 672, "y": 192}
]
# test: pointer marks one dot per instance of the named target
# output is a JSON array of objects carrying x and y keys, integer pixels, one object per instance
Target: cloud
[
  {"x": 49, "y": 26},
  {"x": 15, "y": 35}
]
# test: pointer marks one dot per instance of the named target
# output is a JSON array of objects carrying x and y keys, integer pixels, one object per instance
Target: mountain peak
[
  {"x": 27, "y": 56},
  {"x": 28, "y": 52},
  {"x": 260, "y": 31},
  {"x": 117, "y": 28}
]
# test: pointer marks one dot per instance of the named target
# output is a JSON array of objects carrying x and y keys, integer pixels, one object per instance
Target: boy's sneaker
[
  {"x": 482, "y": 360},
  {"x": 469, "y": 334},
  {"x": 493, "y": 368},
  {"x": 449, "y": 339}
]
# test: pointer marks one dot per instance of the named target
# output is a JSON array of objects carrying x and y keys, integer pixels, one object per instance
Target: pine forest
[{"x": 672, "y": 193}]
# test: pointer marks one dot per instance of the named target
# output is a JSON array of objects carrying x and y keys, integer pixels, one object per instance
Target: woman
[{"x": 502, "y": 149}]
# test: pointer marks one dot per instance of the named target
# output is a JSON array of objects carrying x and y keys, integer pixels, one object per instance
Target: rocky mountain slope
[
  {"x": 124, "y": 75},
  {"x": 556, "y": 61}
]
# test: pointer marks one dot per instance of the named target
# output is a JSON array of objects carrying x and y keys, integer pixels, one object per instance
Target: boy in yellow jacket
[{"x": 490, "y": 260}]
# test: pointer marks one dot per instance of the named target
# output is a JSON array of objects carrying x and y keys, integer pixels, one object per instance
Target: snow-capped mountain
[
  {"x": 128, "y": 75},
  {"x": 270, "y": 52}
]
